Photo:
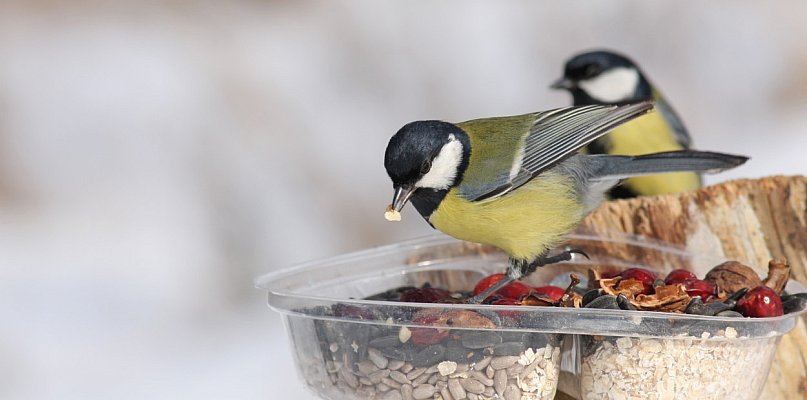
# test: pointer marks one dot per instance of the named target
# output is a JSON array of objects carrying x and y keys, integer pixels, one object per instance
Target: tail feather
[{"x": 607, "y": 167}]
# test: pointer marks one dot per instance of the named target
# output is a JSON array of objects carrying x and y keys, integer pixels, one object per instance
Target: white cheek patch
[
  {"x": 615, "y": 85},
  {"x": 444, "y": 167}
]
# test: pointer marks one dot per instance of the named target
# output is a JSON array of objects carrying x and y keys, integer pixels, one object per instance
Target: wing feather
[{"x": 554, "y": 136}]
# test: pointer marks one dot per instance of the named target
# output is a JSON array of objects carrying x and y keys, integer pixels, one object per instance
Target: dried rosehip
[
  {"x": 760, "y": 302},
  {"x": 507, "y": 302},
  {"x": 698, "y": 287},
  {"x": 679, "y": 276},
  {"x": 538, "y": 300},
  {"x": 553, "y": 292},
  {"x": 515, "y": 290},
  {"x": 646, "y": 277},
  {"x": 487, "y": 282},
  {"x": 425, "y": 295},
  {"x": 427, "y": 336}
]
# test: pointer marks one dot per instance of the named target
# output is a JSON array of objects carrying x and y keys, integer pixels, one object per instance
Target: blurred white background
[{"x": 156, "y": 156}]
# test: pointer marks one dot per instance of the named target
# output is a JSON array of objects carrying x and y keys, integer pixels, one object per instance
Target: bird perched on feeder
[
  {"x": 604, "y": 77},
  {"x": 519, "y": 182}
]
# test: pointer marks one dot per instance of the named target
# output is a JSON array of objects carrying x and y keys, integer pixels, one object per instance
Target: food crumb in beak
[{"x": 392, "y": 214}]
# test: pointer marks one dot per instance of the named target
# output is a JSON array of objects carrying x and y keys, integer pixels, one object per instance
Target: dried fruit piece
[
  {"x": 679, "y": 276},
  {"x": 515, "y": 290},
  {"x": 441, "y": 320},
  {"x": 642, "y": 275},
  {"x": 732, "y": 276},
  {"x": 670, "y": 298},
  {"x": 540, "y": 300},
  {"x": 487, "y": 282},
  {"x": 760, "y": 302},
  {"x": 427, "y": 336},
  {"x": 778, "y": 274},
  {"x": 615, "y": 286},
  {"x": 700, "y": 288},
  {"x": 632, "y": 287},
  {"x": 424, "y": 295},
  {"x": 507, "y": 302},
  {"x": 570, "y": 298},
  {"x": 599, "y": 273},
  {"x": 553, "y": 292}
]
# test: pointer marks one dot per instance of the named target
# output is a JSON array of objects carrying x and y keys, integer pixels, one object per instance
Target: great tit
[
  {"x": 603, "y": 77},
  {"x": 519, "y": 183}
]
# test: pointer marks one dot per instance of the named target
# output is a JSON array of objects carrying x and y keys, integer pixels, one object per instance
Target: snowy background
[{"x": 155, "y": 157}]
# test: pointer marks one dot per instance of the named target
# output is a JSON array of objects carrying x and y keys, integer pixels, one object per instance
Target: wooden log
[{"x": 751, "y": 221}]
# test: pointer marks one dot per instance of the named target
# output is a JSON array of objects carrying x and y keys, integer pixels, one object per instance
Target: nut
[{"x": 732, "y": 276}]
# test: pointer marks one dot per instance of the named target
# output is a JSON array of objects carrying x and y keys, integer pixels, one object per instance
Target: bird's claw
[
  {"x": 566, "y": 255},
  {"x": 578, "y": 251}
]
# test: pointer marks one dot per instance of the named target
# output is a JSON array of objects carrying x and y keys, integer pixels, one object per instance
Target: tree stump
[{"x": 751, "y": 221}]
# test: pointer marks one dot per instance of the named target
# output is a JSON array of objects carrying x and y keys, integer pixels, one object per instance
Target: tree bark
[{"x": 751, "y": 221}]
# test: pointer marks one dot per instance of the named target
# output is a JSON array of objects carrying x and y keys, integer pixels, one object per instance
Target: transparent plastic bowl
[{"x": 347, "y": 348}]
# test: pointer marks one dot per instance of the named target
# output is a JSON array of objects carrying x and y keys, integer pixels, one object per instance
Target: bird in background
[
  {"x": 520, "y": 183},
  {"x": 604, "y": 77}
]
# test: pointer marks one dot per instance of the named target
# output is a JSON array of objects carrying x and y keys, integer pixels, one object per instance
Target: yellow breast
[
  {"x": 525, "y": 223},
  {"x": 645, "y": 135}
]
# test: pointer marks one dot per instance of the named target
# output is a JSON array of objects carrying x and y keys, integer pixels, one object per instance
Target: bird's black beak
[
  {"x": 563, "y": 83},
  {"x": 401, "y": 196}
]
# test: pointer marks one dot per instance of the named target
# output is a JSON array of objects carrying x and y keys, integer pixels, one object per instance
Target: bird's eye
[{"x": 425, "y": 167}]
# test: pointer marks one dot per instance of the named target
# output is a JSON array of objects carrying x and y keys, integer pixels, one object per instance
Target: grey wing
[
  {"x": 558, "y": 134},
  {"x": 680, "y": 131}
]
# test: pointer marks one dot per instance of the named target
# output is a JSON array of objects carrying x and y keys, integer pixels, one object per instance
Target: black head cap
[
  {"x": 414, "y": 147},
  {"x": 590, "y": 64}
]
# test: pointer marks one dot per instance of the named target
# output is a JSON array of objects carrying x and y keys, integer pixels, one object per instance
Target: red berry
[
  {"x": 679, "y": 276},
  {"x": 424, "y": 295},
  {"x": 642, "y": 275},
  {"x": 506, "y": 302},
  {"x": 487, "y": 282},
  {"x": 427, "y": 336},
  {"x": 697, "y": 287},
  {"x": 552, "y": 291},
  {"x": 515, "y": 290},
  {"x": 760, "y": 302}
]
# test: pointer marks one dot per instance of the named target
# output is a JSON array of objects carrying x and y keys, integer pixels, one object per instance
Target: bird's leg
[
  {"x": 514, "y": 272},
  {"x": 566, "y": 255}
]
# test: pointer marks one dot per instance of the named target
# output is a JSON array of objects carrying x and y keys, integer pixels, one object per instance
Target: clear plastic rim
[
  {"x": 288, "y": 302},
  {"x": 435, "y": 240}
]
